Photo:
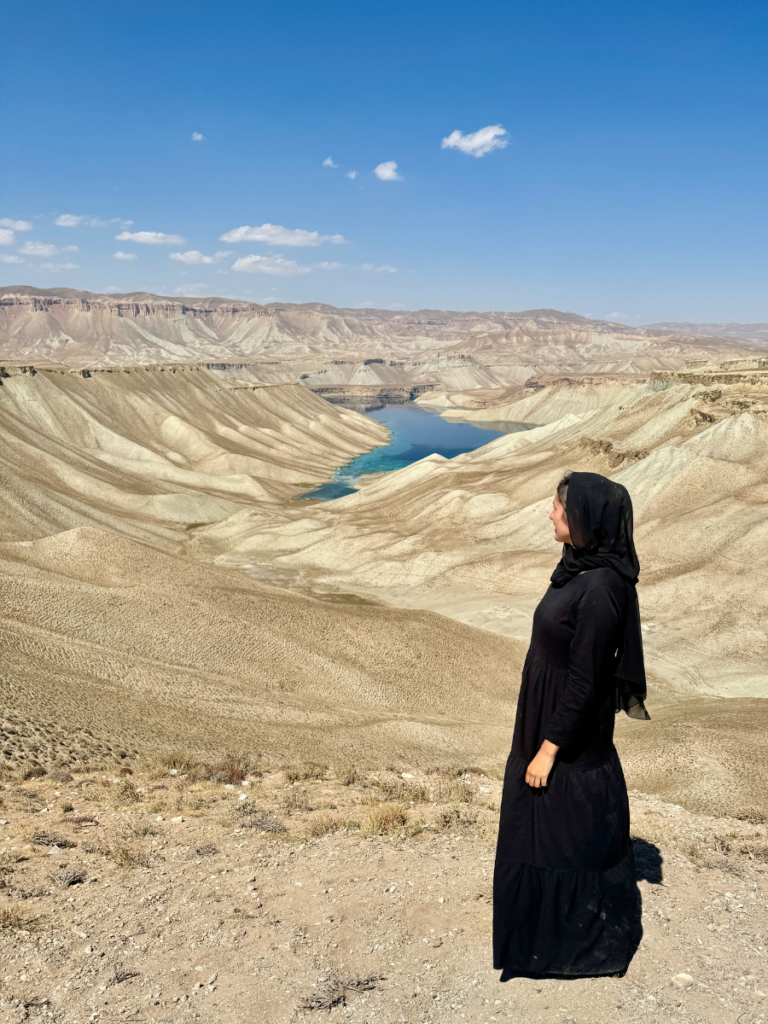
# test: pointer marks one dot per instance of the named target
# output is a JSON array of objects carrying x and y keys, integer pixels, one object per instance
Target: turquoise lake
[{"x": 416, "y": 433}]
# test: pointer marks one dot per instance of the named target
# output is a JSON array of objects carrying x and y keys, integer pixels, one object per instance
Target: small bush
[
  {"x": 384, "y": 820},
  {"x": 323, "y": 825},
  {"x": 348, "y": 775},
  {"x": 302, "y": 772},
  {"x": 67, "y": 807},
  {"x": 403, "y": 792},
  {"x": 754, "y": 815},
  {"x": 296, "y": 800},
  {"x": 453, "y": 792},
  {"x": 42, "y": 838},
  {"x": 69, "y": 876},
  {"x": 11, "y": 918},
  {"x": 456, "y": 819},
  {"x": 139, "y": 829},
  {"x": 126, "y": 856},
  {"x": 126, "y": 793}
]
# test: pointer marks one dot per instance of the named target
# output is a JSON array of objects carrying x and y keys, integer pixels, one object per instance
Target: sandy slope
[{"x": 149, "y": 451}]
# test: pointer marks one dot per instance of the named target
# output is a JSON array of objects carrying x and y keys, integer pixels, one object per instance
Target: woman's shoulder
[{"x": 603, "y": 578}]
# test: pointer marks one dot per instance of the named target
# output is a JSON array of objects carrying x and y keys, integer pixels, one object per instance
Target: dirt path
[{"x": 217, "y": 919}]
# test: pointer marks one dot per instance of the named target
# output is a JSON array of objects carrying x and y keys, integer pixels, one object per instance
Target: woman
[{"x": 565, "y": 897}]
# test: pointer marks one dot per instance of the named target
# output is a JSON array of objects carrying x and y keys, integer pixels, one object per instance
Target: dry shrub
[
  {"x": 384, "y": 820},
  {"x": 126, "y": 856},
  {"x": 754, "y": 815},
  {"x": 176, "y": 761},
  {"x": 403, "y": 792},
  {"x": 323, "y": 825},
  {"x": 296, "y": 800},
  {"x": 232, "y": 769},
  {"x": 456, "y": 819},
  {"x": 334, "y": 991},
  {"x": 453, "y": 791},
  {"x": 139, "y": 829},
  {"x": 349, "y": 774},
  {"x": 207, "y": 850},
  {"x": 69, "y": 876},
  {"x": 126, "y": 793},
  {"x": 11, "y": 918},
  {"x": 42, "y": 838},
  {"x": 302, "y": 772}
]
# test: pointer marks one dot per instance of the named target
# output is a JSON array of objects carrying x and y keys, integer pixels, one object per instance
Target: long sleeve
[{"x": 592, "y": 648}]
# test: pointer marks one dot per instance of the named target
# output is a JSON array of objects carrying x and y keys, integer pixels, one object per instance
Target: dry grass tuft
[
  {"x": 335, "y": 990},
  {"x": 307, "y": 770},
  {"x": 400, "y": 791},
  {"x": 349, "y": 774},
  {"x": 127, "y": 856},
  {"x": 384, "y": 820},
  {"x": 126, "y": 793},
  {"x": 323, "y": 825},
  {"x": 296, "y": 800},
  {"x": 453, "y": 791},
  {"x": 12, "y": 919},
  {"x": 139, "y": 829},
  {"x": 67, "y": 877},
  {"x": 456, "y": 819},
  {"x": 43, "y": 838}
]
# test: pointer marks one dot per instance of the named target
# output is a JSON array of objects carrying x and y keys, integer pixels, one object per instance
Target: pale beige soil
[{"x": 210, "y": 918}]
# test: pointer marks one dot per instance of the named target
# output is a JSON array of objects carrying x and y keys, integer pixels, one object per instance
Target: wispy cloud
[
  {"x": 274, "y": 234},
  {"x": 383, "y": 268},
  {"x": 329, "y": 266},
  {"x": 38, "y": 249},
  {"x": 277, "y": 265},
  {"x": 74, "y": 220},
  {"x": 193, "y": 256},
  {"x": 387, "y": 171},
  {"x": 195, "y": 291},
  {"x": 8, "y": 258},
  {"x": 329, "y": 163},
  {"x": 617, "y": 317},
  {"x": 15, "y": 225},
  {"x": 197, "y": 136},
  {"x": 6, "y": 236},
  {"x": 125, "y": 256},
  {"x": 149, "y": 238},
  {"x": 57, "y": 267},
  {"x": 477, "y": 143},
  {"x": 351, "y": 175}
]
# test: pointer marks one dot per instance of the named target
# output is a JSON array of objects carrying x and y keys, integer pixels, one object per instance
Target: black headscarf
[{"x": 599, "y": 514}]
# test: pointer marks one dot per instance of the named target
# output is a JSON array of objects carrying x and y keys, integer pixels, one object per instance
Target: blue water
[{"x": 416, "y": 433}]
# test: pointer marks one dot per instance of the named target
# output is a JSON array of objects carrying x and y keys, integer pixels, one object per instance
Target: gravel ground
[{"x": 278, "y": 899}]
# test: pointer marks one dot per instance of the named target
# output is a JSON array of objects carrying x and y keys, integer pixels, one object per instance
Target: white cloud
[
  {"x": 6, "y": 236},
  {"x": 72, "y": 220},
  {"x": 351, "y": 175},
  {"x": 387, "y": 171},
  {"x": 70, "y": 248},
  {"x": 617, "y": 317},
  {"x": 38, "y": 249},
  {"x": 477, "y": 143},
  {"x": 15, "y": 225},
  {"x": 274, "y": 234},
  {"x": 56, "y": 267},
  {"x": 329, "y": 163},
  {"x": 149, "y": 238},
  {"x": 197, "y": 136},
  {"x": 384, "y": 268},
  {"x": 195, "y": 257},
  {"x": 125, "y": 256},
  {"x": 329, "y": 266},
  {"x": 7, "y": 258},
  {"x": 276, "y": 265},
  {"x": 194, "y": 291}
]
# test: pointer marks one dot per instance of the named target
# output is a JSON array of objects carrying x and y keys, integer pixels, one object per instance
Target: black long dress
[{"x": 565, "y": 897}]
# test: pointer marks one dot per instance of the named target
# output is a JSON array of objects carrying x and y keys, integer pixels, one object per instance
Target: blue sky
[{"x": 631, "y": 181}]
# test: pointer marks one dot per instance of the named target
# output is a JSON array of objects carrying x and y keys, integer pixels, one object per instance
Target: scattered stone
[
  {"x": 682, "y": 981},
  {"x": 178, "y": 820}
]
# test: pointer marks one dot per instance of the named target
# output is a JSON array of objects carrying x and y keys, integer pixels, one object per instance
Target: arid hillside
[
  {"x": 323, "y": 345},
  {"x": 156, "y": 451}
]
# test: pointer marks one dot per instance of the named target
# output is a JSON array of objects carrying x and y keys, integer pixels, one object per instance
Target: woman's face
[{"x": 557, "y": 515}]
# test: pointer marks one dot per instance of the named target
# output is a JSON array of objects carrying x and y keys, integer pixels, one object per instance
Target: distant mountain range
[
  {"x": 743, "y": 332},
  {"x": 321, "y": 344}
]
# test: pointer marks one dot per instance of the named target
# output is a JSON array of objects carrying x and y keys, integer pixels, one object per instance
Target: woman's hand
[{"x": 538, "y": 770}]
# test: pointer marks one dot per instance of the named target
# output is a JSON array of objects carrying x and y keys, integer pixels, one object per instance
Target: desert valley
[{"x": 240, "y": 720}]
